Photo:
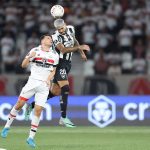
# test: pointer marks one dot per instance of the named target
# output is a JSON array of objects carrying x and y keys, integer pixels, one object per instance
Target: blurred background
[{"x": 118, "y": 32}]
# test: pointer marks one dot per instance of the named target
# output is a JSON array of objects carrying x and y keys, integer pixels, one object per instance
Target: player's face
[
  {"x": 47, "y": 40},
  {"x": 62, "y": 30}
]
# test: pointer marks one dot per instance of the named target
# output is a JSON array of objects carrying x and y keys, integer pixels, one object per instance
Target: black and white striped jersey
[{"x": 67, "y": 40}]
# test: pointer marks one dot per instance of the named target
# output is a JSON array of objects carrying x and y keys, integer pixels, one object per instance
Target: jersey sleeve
[
  {"x": 56, "y": 39},
  {"x": 71, "y": 29}
]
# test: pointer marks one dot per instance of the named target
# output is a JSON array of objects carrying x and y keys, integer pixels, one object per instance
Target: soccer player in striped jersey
[{"x": 65, "y": 43}]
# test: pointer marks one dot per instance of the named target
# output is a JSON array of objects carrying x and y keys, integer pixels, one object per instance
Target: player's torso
[
  {"x": 68, "y": 41},
  {"x": 43, "y": 63}
]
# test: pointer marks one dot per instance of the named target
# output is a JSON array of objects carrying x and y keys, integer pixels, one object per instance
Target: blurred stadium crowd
[{"x": 118, "y": 32}]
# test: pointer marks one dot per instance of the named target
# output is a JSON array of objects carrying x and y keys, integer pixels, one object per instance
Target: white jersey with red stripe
[{"x": 43, "y": 63}]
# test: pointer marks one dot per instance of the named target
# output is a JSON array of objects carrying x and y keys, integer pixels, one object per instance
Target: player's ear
[{"x": 41, "y": 41}]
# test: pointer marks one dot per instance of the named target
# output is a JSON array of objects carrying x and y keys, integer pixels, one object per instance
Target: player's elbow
[{"x": 23, "y": 65}]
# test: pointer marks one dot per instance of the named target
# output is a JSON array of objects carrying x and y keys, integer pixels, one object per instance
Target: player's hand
[
  {"x": 84, "y": 47},
  {"x": 32, "y": 54},
  {"x": 84, "y": 58}
]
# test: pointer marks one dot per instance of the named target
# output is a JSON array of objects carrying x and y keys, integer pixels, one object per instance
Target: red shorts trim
[{"x": 23, "y": 98}]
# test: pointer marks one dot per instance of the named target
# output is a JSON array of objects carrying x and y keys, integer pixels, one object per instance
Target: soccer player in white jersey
[
  {"x": 43, "y": 60},
  {"x": 65, "y": 43}
]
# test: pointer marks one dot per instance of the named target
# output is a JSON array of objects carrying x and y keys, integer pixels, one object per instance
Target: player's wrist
[{"x": 79, "y": 48}]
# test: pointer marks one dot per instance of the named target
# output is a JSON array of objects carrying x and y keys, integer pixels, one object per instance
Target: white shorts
[{"x": 37, "y": 88}]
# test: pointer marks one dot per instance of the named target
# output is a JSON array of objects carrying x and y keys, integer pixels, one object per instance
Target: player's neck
[{"x": 45, "y": 48}]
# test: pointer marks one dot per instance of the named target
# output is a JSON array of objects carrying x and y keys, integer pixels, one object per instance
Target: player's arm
[
  {"x": 27, "y": 59},
  {"x": 50, "y": 77},
  {"x": 64, "y": 50},
  {"x": 80, "y": 51},
  {"x": 52, "y": 73},
  {"x": 58, "y": 43}
]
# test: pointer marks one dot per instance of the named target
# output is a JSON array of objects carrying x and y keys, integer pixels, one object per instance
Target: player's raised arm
[
  {"x": 50, "y": 77},
  {"x": 61, "y": 27},
  {"x": 83, "y": 56},
  {"x": 27, "y": 59},
  {"x": 72, "y": 49}
]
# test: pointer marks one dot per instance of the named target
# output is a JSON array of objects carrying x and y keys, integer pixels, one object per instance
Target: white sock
[
  {"x": 34, "y": 126},
  {"x": 12, "y": 115}
]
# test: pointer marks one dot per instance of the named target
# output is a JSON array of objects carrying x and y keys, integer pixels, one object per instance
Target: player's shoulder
[
  {"x": 71, "y": 28},
  {"x": 53, "y": 51},
  {"x": 56, "y": 33},
  {"x": 55, "y": 55},
  {"x": 37, "y": 48},
  {"x": 55, "y": 36}
]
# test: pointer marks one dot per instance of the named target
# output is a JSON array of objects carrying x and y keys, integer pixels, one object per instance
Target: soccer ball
[{"x": 57, "y": 11}]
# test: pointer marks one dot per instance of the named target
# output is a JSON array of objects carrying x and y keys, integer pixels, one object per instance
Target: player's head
[
  {"x": 60, "y": 25},
  {"x": 46, "y": 40}
]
